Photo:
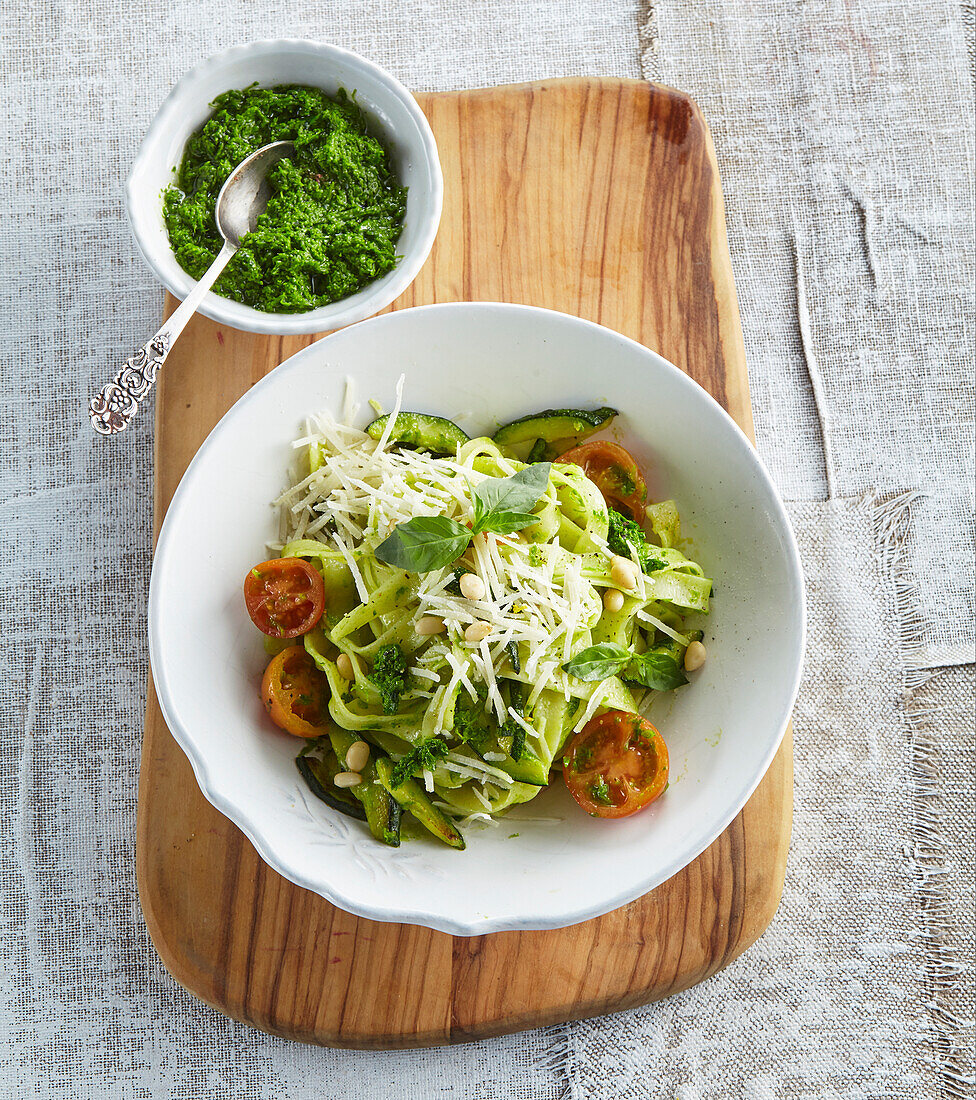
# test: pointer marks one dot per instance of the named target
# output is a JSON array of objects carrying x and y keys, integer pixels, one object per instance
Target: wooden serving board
[{"x": 595, "y": 197}]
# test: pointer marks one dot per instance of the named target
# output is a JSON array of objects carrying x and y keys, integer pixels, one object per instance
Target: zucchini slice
[
  {"x": 382, "y": 811},
  {"x": 553, "y": 431},
  {"x": 421, "y": 431},
  {"x": 413, "y": 797},
  {"x": 527, "y": 769},
  {"x": 318, "y": 774}
]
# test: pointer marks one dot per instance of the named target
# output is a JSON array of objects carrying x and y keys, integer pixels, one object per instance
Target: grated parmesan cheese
[
  {"x": 591, "y": 707},
  {"x": 540, "y": 597}
]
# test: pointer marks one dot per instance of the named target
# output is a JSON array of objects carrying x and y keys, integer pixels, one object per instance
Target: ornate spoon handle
[{"x": 118, "y": 402}]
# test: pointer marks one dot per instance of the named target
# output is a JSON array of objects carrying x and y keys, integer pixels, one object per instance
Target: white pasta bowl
[
  {"x": 547, "y": 864},
  {"x": 391, "y": 109}
]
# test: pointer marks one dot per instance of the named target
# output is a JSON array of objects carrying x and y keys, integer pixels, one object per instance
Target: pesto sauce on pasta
[{"x": 498, "y": 708}]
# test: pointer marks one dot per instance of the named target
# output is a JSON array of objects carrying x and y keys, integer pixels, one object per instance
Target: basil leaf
[
  {"x": 656, "y": 669},
  {"x": 425, "y": 543},
  {"x": 598, "y": 662},
  {"x": 503, "y": 504},
  {"x": 504, "y": 523}
]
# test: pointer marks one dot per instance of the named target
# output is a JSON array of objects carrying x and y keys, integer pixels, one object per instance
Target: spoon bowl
[{"x": 245, "y": 194}]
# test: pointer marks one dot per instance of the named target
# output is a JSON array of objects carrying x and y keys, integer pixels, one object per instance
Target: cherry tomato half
[
  {"x": 285, "y": 597},
  {"x": 615, "y": 473},
  {"x": 616, "y": 765},
  {"x": 295, "y": 694}
]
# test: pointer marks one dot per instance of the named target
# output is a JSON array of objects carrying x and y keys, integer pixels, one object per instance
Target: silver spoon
[{"x": 243, "y": 197}]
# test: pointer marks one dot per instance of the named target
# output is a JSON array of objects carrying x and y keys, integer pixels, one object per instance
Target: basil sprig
[
  {"x": 657, "y": 668},
  {"x": 501, "y": 505},
  {"x": 504, "y": 504},
  {"x": 598, "y": 662}
]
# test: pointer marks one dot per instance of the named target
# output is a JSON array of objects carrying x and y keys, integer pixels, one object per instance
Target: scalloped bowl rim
[
  {"x": 427, "y": 193},
  {"x": 242, "y": 815}
]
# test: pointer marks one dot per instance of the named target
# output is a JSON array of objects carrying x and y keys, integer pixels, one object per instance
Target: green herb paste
[{"x": 336, "y": 211}]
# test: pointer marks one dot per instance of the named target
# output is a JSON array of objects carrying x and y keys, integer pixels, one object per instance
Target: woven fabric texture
[
  {"x": 853, "y": 992},
  {"x": 845, "y": 142},
  {"x": 86, "y": 1010},
  {"x": 840, "y": 133}
]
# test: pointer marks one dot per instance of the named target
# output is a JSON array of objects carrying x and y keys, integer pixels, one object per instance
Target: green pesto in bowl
[{"x": 335, "y": 215}]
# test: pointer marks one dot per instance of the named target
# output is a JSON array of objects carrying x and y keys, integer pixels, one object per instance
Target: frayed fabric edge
[
  {"x": 928, "y": 853},
  {"x": 561, "y": 1057},
  {"x": 892, "y": 520},
  {"x": 647, "y": 55},
  {"x": 928, "y": 856}
]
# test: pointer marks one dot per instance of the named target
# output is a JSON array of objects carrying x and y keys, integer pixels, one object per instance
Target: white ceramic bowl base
[
  {"x": 481, "y": 364},
  {"x": 391, "y": 108}
]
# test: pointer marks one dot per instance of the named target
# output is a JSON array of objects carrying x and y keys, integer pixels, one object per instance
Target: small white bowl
[
  {"x": 481, "y": 363},
  {"x": 390, "y": 107}
]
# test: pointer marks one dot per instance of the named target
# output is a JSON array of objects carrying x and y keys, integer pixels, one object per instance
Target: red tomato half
[
  {"x": 615, "y": 473},
  {"x": 285, "y": 597},
  {"x": 616, "y": 765},
  {"x": 295, "y": 694}
]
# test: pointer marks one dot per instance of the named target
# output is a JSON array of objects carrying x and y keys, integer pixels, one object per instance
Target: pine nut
[
  {"x": 344, "y": 666},
  {"x": 613, "y": 599},
  {"x": 348, "y": 779},
  {"x": 477, "y": 632},
  {"x": 472, "y": 587},
  {"x": 623, "y": 573},
  {"x": 429, "y": 624},
  {"x": 695, "y": 656},
  {"x": 356, "y": 756}
]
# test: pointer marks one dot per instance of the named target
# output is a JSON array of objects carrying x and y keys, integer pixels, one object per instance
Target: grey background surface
[{"x": 844, "y": 134}]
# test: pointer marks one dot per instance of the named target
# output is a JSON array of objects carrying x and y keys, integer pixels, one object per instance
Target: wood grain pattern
[{"x": 595, "y": 197}]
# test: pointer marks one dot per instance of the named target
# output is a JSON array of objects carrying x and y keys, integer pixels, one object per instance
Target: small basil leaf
[
  {"x": 504, "y": 523},
  {"x": 657, "y": 670},
  {"x": 598, "y": 662},
  {"x": 503, "y": 504},
  {"x": 425, "y": 543}
]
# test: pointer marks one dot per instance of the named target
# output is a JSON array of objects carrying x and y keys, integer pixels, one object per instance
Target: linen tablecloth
[{"x": 844, "y": 134}]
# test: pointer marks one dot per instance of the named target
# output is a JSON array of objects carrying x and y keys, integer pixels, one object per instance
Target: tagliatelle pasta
[{"x": 480, "y": 610}]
